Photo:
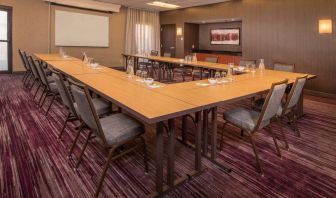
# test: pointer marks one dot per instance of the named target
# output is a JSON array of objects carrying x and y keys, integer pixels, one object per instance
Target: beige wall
[
  {"x": 30, "y": 32},
  {"x": 110, "y": 56},
  {"x": 277, "y": 30},
  {"x": 30, "y": 22}
]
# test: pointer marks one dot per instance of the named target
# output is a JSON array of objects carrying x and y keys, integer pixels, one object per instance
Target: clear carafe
[{"x": 261, "y": 64}]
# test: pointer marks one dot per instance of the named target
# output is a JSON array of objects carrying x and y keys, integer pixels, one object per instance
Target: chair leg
[
  {"x": 144, "y": 150},
  {"x": 269, "y": 129},
  {"x": 296, "y": 128},
  {"x": 31, "y": 87},
  {"x": 24, "y": 76},
  {"x": 64, "y": 125},
  {"x": 44, "y": 98},
  {"x": 28, "y": 82},
  {"x": 256, "y": 155},
  {"x": 279, "y": 120},
  {"x": 103, "y": 174},
  {"x": 75, "y": 140},
  {"x": 241, "y": 133},
  {"x": 52, "y": 101},
  {"x": 83, "y": 150},
  {"x": 42, "y": 94},
  {"x": 38, "y": 87}
]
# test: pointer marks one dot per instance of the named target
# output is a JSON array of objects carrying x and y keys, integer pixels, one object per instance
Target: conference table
[{"x": 162, "y": 104}]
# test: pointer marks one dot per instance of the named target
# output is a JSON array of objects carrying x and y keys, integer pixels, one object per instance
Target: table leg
[
  {"x": 171, "y": 152},
  {"x": 213, "y": 155},
  {"x": 184, "y": 128},
  {"x": 198, "y": 142},
  {"x": 214, "y": 133},
  {"x": 159, "y": 158},
  {"x": 205, "y": 132},
  {"x": 159, "y": 72}
]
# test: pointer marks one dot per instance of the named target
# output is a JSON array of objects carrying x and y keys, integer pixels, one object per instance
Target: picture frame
[{"x": 225, "y": 36}]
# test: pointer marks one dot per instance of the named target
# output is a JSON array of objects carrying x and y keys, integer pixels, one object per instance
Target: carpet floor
[{"x": 34, "y": 164}]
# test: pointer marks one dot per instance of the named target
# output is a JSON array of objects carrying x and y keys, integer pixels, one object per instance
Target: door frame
[
  {"x": 161, "y": 38},
  {"x": 9, "y": 10}
]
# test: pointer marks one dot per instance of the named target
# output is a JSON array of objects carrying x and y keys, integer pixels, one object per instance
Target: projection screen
[{"x": 77, "y": 29}]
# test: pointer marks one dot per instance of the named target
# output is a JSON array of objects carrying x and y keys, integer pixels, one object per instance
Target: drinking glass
[
  {"x": 253, "y": 68},
  {"x": 217, "y": 75},
  {"x": 144, "y": 75},
  {"x": 138, "y": 75},
  {"x": 90, "y": 61},
  {"x": 247, "y": 67}
]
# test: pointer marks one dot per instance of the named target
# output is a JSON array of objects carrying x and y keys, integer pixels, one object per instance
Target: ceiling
[{"x": 142, "y": 4}]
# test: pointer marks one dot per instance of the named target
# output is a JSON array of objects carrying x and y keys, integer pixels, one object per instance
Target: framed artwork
[{"x": 227, "y": 36}]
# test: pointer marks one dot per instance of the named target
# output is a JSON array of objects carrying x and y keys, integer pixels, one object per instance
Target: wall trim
[
  {"x": 18, "y": 72},
  {"x": 319, "y": 93}
]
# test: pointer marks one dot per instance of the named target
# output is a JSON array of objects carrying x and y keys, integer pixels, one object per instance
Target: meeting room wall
[
  {"x": 29, "y": 26},
  {"x": 31, "y": 32},
  {"x": 109, "y": 56},
  {"x": 280, "y": 30}
]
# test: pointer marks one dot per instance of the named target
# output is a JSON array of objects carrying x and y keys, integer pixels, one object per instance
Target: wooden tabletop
[
  {"x": 152, "y": 105},
  {"x": 141, "y": 101},
  {"x": 54, "y": 57}
]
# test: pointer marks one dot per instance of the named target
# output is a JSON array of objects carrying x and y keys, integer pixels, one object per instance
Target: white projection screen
[{"x": 82, "y": 30}]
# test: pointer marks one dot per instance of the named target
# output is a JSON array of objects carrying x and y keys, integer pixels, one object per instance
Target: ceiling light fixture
[{"x": 163, "y": 5}]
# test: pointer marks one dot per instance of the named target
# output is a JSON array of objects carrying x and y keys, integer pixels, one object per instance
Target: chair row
[
  {"x": 112, "y": 129},
  {"x": 154, "y": 68}
]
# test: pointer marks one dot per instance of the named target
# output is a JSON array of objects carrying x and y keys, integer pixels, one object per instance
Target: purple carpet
[{"x": 34, "y": 164}]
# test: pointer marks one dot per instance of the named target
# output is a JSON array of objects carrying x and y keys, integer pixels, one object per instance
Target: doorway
[
  {"x": 5, "y": 39},
  {"x": 168, "y": 39}
]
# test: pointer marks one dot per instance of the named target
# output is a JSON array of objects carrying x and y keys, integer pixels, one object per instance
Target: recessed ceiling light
[{"x": 163, "y": 5}]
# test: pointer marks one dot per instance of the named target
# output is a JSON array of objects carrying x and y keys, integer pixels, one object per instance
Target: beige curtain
[{"x": 142, "y": 31}]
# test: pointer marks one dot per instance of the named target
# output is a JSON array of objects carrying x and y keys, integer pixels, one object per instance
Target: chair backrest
[
  {"x": 295, "y": 93},
  {"x": 37, "y": 64},
  {"x": 284, "y": 67},
  {"x": 86, "y": 108},
  {"x": 247, "y": 62},
  {"x": 211, "y": 59},
  {"x": 64, "y": 91},
  {"x": 32, "y": 65},
  {"x": 25, "y": 59},
  {"x": 272, "y": 102},
  {"x": 167, "y": 54},
  {"x": 22, "y": 59},
  {"x": 154, "y": 53}
]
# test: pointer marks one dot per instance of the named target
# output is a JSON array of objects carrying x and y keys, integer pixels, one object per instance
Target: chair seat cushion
[
  {"x": 244, "y": 118},
  {"x": 53, "y": 87},
  {"x": 50, "y": 79},
  {"x": 119, "y": 128},
  {"x": 102, "y": 107},
  {"x": 47, "y": 72}
]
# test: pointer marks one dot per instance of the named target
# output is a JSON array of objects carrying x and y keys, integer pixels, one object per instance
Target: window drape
[{"x": 142, "y": 31}]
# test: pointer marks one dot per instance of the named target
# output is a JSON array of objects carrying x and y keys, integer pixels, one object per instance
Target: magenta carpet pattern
[{"x": 34, "y": 164}]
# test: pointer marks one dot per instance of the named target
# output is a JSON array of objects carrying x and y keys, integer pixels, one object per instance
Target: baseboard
[
  {"x": 18, "y": 72},
  {"x": 319, "y": 94}
]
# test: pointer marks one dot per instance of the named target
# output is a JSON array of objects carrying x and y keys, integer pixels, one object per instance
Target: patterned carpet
[{"x": 34, "y": 164}]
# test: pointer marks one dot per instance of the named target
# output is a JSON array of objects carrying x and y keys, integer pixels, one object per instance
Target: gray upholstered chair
[
  {"x": 47, "y": 83},
  {"x": 252, "y": 121},
  {"x": 201, "y": 72},
  {"x": 257, "y": 103},
  {"x": 25, "y": 64},
  {"x": 113, "y": 131},
  {"x": 101, "y": 106},
  {"x": 148, "y": 64},
  {"x": 289, "y": 107},
  {"x": 284, "y": 67}
]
